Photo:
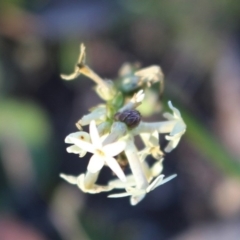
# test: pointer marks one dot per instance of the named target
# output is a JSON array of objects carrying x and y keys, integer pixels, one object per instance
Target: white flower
[
  {"x": 151, "y": 141},
  {"x": 79, "y": 181},
  {"x": 178, "y": 129},
  {"x": 101, "y": 154},
  {"x": 150, "y": 173},
  {"x": 83, "y": 136},
  {"x": 138, "y": 194}
]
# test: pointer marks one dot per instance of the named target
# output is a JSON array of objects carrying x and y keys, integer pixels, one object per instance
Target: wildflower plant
[{"x": 113, "y": 126}]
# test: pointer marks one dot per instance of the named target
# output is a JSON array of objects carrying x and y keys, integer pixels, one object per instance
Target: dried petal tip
[{"x": 130, "y": 117}]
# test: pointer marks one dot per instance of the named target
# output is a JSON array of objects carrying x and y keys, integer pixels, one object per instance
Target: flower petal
[
  {"x": 167, "y": 179},
  {"x": 100, "y": 188},
  {"x": 173, "y": 142},
  {"x": 134, "y": 200},
  {"x": 84, "y": 136},
  {"x": 168, "y": 116},
  {"x": 83, "y": 145},
  {"x": 135, "y": 191},
  {"x": 139, "y": 96},
  {"x": 94, "y": 135},
  {"x": 76, "y": 150},
  {"x": 80, "y": 182},
  {"x": 176, "y": 112},
  {"x": 114, "y": 149},
  {"x": 179, "y": 128},
  {"x": 69, "y": 178},
  {"x": 119, "y": 195},
  {"x": 95, "y": 164},
  {"x": 156, "y": 169},
  {"x": 113, "y": 164},
  {"x": 157, "y": 181},
  {"x": 116, "y": 183}
]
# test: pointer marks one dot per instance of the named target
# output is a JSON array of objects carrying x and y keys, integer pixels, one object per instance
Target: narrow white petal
[
  {"x": 116, "y": 183},
  {"x": 154, "y": 138},
  {"x": 100, "y": 188},
  {"x": 157, "y": 181},
  {"x": 69, "y": 178},
  {"x": 179, "y": 128},
  {"x": 84, "y": 136},
  {"x": 168, "y": 179},
  {"x": 113, "y": 164},
  {"x": 94, "y": 135},
  {"x": 173, "y": 142},
  {"x": 82, "y": 154},
  {"x": 114, "y": 149},
  {"x": 83, "y": 145},
  {"x": 76, "y": 150},
  {"x": 169, "y": 147},
  {"x": 134, "y": 200},
  {"x": 135, "y": 191},
  {"x": 156, "y": 169},
  {"x": 139, "y": 96},
  {"x": 119, "y": 195},
  {"x": 176, "y": 112},
  {"x": 146, "y": 170},
  {"x": 95, "y": 164},
  {"x": 80, "y": 182},
  {"x": 145, "y": 137},
  {"x": 168, "y": 116}
]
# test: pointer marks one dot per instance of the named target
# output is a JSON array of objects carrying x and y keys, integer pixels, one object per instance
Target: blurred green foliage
[{"x": 25, "y": 119}]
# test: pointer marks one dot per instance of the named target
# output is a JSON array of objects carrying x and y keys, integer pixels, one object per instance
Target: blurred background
[{"x": 197, "y": 44}]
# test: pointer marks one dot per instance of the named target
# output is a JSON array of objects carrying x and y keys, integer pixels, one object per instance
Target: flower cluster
[{"x": 113, "y": 126}]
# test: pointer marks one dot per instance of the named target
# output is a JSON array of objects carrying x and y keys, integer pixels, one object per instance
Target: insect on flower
[
  {"x": 111, "y": 138},
  {"x": 131, "y": 117}
]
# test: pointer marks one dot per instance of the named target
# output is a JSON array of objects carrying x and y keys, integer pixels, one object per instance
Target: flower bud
[{"x": 130, "y": 117}]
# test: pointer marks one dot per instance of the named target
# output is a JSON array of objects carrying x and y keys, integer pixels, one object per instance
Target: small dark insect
[{"x": 130, "y": 117}]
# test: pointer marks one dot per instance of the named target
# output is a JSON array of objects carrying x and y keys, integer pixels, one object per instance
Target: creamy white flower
[
  {"x": 83, "y": 136},
  {"x": 79, "y": 181},
  {"x": 138, "y": 194},
  {"x": 101, "y": 154},
  {"x": 150, "y": 172},
  {"x": 177, "y": 131},
  {"x": 151, "y": 141}
]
